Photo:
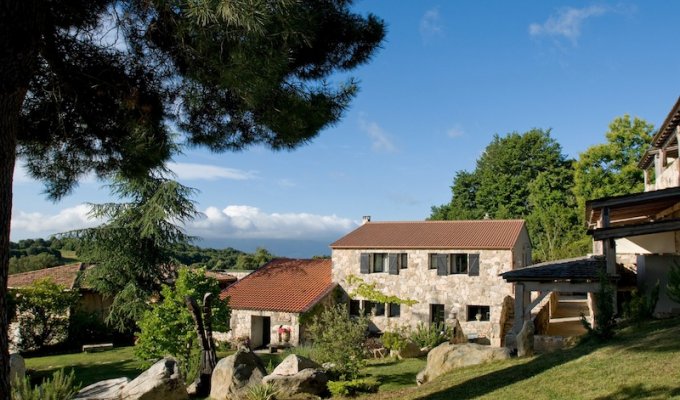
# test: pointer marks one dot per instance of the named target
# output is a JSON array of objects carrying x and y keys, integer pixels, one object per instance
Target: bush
[
  {"x": 641, "y": 305},
  {"x": 338, "y": 338},
  {"x": 60, "y": 387},
  {"x": 43, "y": 313},
  {"x": 431, "y": 335},
  {"x": 262, "y": 392},
  {"x": 604, "y": 317},
  {"x": 353, "y": 387},
  {"x": 395, "y": 340}
]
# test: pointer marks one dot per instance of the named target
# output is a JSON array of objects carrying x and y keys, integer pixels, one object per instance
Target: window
[
  {"x": 394, "y": 310},
  {"x": 436, "y": 313},
  {"x": 403, "y": 261},
  {"x": 371, "y": 307},
  {"x": 453, "y": 264},
  {"x": 354, "y": 308},
  {"x": 379, "y": 260},
  {"x": 478, "y": 313},
  {"x": 459, "y": 263}
]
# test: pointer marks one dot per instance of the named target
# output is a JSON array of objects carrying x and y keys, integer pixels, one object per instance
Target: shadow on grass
[
  {"x": 653, "y": 335},
  {"x": 640, "y": 392},
  {"x": 89, "y": 374},
  {"x": 403, "y": 379},
  {"x": 487, "y": 383}
]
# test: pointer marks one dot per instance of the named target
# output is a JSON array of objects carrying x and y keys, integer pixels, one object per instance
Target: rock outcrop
[
  {"x": 160, "y": 382},
  {"x": 525, "y": 340},
  {"x": 109, "y": 389},
  {"x": 307, "y": 381},
  {"x": 447, "y": 357},
  {"x": 233, "y": 375}
]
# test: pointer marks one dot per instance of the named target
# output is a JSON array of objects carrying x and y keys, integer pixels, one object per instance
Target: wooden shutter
[
  {"x": 364, "y": 267},
  {"x": 473, "y": 264},
  {"x": 442, "y": 264},
  {"x": 393, "y": 265}
]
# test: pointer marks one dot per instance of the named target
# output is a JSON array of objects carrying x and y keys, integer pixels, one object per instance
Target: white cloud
[
  {"x": 381, "y": 139},
  {"x": 455, "y": 132},
  {"x": 25, "y": 224},
  {"x": 431, "y": 25},
  {"x": 190, "y": 171},
  {"x": 566, "y": 23},
  {"x": 247, "y": 222}
]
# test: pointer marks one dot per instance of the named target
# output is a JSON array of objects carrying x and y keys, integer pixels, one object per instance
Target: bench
[
  {"x": 274, "y": 347},
  {"x": 88, "y": 348}
]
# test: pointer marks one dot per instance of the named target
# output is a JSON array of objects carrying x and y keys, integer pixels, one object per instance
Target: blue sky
[{"x": 450, "y": 75}]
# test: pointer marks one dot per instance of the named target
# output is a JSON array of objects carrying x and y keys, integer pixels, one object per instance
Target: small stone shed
[{"x": 274, "y": 298}]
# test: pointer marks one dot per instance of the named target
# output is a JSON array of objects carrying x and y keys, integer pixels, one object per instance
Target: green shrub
[
  {"x": 302, "y": 351},
  {"x": 604, "y": 317},
  {"x": 431, "y": 335},
  {"x": 262, "y": 391},
  {"x": 353, "y": 387},
  {"x": 395, "y": 340},
  {"x": 338, "y": 338},
  {"x": 641, "y": 305},
  {"x": 60, "y": 387}
]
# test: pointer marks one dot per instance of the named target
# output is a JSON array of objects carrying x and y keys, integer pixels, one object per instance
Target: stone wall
[
  {"x": 456, "y": 292},
  {"x": 241, "y": 325}
]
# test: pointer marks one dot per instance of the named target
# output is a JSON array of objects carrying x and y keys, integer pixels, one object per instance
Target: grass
[
  {"x": 639, "y": 363},
  {"x": 88, "y": 367},
  {"x": 69, "y": 256}
]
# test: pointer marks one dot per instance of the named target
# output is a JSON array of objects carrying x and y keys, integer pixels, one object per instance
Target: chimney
[{"x": 365, "y": 219}]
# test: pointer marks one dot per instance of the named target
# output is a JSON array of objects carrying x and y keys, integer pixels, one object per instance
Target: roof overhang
[
  {"x": 633, "y": 209},
  {"x": 663, "y": 137}
]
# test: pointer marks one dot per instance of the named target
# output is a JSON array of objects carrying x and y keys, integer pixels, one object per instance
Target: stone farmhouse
[
  {"x": 451, "y": 268},
  {"x": 268, "y": 305}
]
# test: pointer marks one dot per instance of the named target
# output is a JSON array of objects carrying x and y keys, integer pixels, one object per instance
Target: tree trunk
[{"x": 10, "y": 105}]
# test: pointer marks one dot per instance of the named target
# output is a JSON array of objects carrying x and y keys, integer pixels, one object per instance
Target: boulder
[
  {"x": 160, "y": 382},
  {"x": 308, "y": 381},
  {"x": 109, "y": 389},
  {"x": 525, "y": 340},
  {"x": 457, "y": 334},
  {"x": 233, "y": 375},
  {"x": 17, "y": 367},
  {"x": 447, "y": 357},
  {"x": 293, "y": 364},
  {"x": 411, "y": 350}
]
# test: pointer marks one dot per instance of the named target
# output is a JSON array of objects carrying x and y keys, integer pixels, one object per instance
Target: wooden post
[
  {"x": 658, "y": 168},
  {"x": 522, "y": 300},
  {"x": 208, "y": 358}
]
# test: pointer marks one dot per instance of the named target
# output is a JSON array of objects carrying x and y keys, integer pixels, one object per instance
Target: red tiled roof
[
  {"x": 65, "y": 275},
  {"x": 478, "y": 234},
  {"x": 282, "y": 285}
]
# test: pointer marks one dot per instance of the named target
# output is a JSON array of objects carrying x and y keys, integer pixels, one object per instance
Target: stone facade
[
  {"x": 456, "y": 292},
  {"x": 245, "y": 323}
]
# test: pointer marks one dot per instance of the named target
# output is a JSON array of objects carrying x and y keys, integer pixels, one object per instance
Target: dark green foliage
[
  {"x": 132, "y": 250},
  {"x": 338, "y": 338},
  {"x": 88, "y": 328},
  {"x": 212, "y": 259},
  {"x": 43, "y": 313},
  {"x": 604, "y": 311},
  {"x": 353, "y": 387},
  {"x": 33, "y": 254},
  {"x": 253, "y": 261},
  {"x": 431, "y": 335},
  {"x": 33, "y": 262},
  {"x": 641, "y": 305}
]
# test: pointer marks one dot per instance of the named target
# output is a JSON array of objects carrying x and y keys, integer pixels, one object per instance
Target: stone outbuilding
[
  {"x": 268, "y": 305},
  {"x": 451, "y": 268}
]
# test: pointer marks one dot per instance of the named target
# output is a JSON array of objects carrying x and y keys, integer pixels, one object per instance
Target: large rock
[
  {"x": 525, "y": 340},
  {"x": 160, "y": 382},
  {"x": 293, "y": 364},
  {"x": 17, "y": 367},
  {"x": 233, "y": 375},
  {"x": 447, "y": 357},
  {"x": 109, "y": 389},
  {"x": 308, "y": 381}
]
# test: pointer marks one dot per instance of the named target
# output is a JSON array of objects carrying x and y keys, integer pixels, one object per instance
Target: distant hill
[{"x": 279, "y": 247}]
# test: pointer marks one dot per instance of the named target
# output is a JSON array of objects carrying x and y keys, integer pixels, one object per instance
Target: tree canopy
[{"x": 93, "y": 86}]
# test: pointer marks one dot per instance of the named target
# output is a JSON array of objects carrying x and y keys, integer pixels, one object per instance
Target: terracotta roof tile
[
  {"x": 65, "y": 275},
  {"x": 282, "y": 285},
  {"x": 478, "y": 234}
]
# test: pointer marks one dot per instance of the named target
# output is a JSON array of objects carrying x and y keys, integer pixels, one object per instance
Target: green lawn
[
  {"x": 69, "y": 256},
  {"x": 640, "y": 363}
]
